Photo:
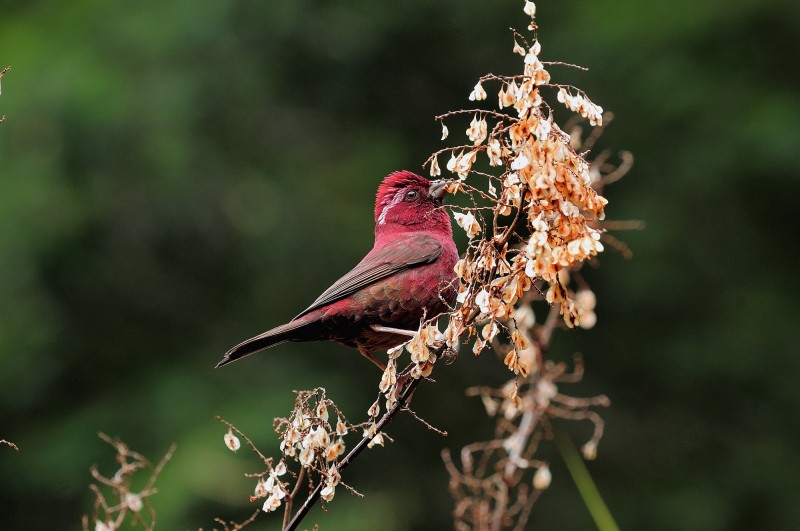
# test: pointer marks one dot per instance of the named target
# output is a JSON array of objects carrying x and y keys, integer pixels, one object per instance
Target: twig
[
  {"x": 236, "y": 526},
  {"x": 424, "y": 422},
  {"x": 160, "y": 466},
  {"x": 129, "y": 501},
  {"x": 266, "y": 460},
  {"x": 502, "y": 240},
  {"x": 621, "y": 170},
  {"x": 287, "y": 512},
  {"x": 498, "y": 115},
  {"x": 562, "y": 63},
  {"x": 3, "y": 119}
]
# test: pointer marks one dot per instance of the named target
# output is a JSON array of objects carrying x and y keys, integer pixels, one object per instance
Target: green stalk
[{"x": 583, "y": 480}]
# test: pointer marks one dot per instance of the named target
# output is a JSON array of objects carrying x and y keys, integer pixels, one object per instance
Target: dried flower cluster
[
  {"x": 545, "y": 212},
  {"x": 312, "y": 440},
  {"x": 424, "y": 348},
  {"x": 111, "y": 516},
  {"x": 309, "y": 439},
  {"x": 543, "y": 203},
  {"x": 491, "y": 485}
]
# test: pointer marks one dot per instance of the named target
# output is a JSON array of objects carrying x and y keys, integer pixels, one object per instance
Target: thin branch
[
  {"x": 622, "y": 169},
  {"x": 236, "y": 526},
  {"x": 569, "y": 65},
  {"x": 160, "y": 467},
  {"x": 3, "y": 441},
  {"x": 424, "y": 422},
  {"x": 498, "y": 115},
  {"x": 500, "y": 242},
  {"x": 266, "y": 460},
  {"x": 287, "y": 512},
  {"x": 3, "y": 119}
]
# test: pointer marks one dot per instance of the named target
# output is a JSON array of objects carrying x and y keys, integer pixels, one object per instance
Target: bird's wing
[{"x": 379, "y": 264}]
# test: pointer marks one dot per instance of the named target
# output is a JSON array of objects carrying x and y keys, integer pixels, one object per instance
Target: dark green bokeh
[{"x": 179, "y": 175}]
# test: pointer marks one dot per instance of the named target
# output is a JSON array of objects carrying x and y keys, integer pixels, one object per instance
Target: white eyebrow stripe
[{"x": 398, "y": 197}]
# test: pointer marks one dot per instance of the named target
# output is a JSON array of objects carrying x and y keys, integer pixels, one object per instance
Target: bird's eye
[{"x": 411, "y": 195}]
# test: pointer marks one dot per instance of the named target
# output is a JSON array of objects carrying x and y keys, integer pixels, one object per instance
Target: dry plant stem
[
  {"x": 130, "y": 501},
  {"x": 3, "y": 119},
  {"x": 526, "y": 427},
  {"x": 526, "y": 511},
  {"x": 287, "y": 512},
  {"x": 9, "y": 443},
  {"x": 237, "y": 527},
  {"x": 160, "y": 467},
  {"x": 424, "y": 422},
  {"x": 264, "y": 459},
  {"x": 344, "y": 463},
  {"x": 621, "y": 170},
  {"x": 510, "y": 230},
  {"x": 546, "y": 332}
]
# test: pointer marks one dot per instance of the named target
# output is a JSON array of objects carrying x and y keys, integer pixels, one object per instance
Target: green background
[{"x": 177, "y": 176}]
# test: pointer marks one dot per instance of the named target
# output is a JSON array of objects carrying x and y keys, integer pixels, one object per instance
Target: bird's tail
[{"x": 291, "y": 331}]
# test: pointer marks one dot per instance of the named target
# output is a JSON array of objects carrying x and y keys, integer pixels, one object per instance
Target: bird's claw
[
  {"x": 449, "y": 355},
  {"x": 401, "y": 383}
]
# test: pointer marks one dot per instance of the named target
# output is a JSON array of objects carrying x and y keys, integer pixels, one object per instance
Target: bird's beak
[{"x": 438, "y": 190}]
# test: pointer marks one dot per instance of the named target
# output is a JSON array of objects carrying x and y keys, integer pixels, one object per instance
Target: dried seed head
[
  {"x": 232, "y": 441},
  {"x": 133, "y": 502},
  {"x": 589, "y": 451},
  {"x": 542, "y": 477}
]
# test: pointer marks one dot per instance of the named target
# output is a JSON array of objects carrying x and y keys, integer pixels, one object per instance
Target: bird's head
[{"x": 407, "y": 200}]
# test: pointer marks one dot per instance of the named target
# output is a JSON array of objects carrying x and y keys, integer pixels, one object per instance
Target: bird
[{"x": 406, "y": 277}]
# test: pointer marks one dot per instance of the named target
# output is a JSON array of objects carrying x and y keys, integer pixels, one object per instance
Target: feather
[
  {"x": 270, "y": 338},
  {"x": 379, "y": 264}
]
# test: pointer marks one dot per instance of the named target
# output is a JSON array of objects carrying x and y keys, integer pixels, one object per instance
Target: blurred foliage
[{"x": 179, "y": 175}]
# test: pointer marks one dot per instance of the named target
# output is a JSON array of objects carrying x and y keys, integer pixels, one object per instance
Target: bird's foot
[
  {"x": 367, "y": 354},
  {"x": 390, "y": 330},
  {"x": 449, "y": 355},
  {"x": 403, "y": 380}
]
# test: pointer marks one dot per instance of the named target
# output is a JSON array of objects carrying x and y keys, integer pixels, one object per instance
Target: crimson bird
[{"x": 407, "y": 276}]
